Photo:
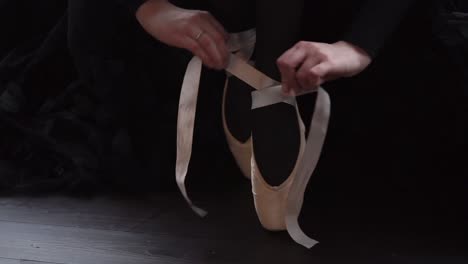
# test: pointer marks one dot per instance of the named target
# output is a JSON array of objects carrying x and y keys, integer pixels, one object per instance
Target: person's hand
[
  {"x": 194, "y": 30},
  {"x": 308, "y": 65}
]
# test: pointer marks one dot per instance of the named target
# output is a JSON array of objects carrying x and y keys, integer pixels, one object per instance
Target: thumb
[{"x": 322, "y": 71}]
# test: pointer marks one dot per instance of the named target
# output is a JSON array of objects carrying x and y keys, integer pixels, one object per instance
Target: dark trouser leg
[
  {"x": 236, "y": 16},
  {"x": 275, "y": 128}
]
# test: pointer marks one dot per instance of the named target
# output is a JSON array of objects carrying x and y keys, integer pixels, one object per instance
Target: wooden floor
[{"x": 157, "y": 229}]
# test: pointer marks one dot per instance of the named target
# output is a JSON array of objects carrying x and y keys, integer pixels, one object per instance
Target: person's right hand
[{"x": 194, "y": 30}]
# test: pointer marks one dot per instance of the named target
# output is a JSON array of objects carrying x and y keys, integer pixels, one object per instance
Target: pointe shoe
[
  {"x": 271, "y": 201},
  {"x": 278, "y": 202},
  {"x": 278, "y": 205},
  {"x": 243, "y": 45},
  {"x": 242, "y": 151}
]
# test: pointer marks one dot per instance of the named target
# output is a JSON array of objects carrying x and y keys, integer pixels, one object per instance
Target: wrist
[
  {"x": 353, "y": 47},
  {"x": 360, "y": 55}
]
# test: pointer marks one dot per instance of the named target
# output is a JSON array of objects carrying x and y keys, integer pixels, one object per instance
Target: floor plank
[
  {"x": 16, "y": 261},
  {"x": 37, "y": 262},
  {"x": 173, "y": 236},
  {"x": 100, "y": 213},
  {"x": 61, "y": 230},
  {"x": 230, "y": 215},
  {"x": 9, "y": 261},
  {"x": 87, "y": 246},
  {"x": 81, "y": 246}
]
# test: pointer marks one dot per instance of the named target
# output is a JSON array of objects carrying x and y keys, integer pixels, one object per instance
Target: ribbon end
[
  {"x": 310, "y": 244},
  {"x": 200, "y": 212},
  {"x": 296, "y": 233}
]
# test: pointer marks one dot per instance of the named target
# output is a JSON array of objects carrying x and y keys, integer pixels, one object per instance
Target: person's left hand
[{"x": 308, "y": 65}]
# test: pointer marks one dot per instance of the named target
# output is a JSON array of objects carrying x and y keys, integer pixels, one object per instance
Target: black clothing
[
  {"x": 379, "y": 19},
  {"x": 132, "y": 5},
  {"x": 89, "y": 100}
]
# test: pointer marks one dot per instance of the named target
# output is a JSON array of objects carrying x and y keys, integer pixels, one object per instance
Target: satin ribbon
[
  {"x": 308, "y": 163},
  {"x": 268, "y": 93},
  {"x": 242, "y": 45},
  {"x": 309, "y": 160}
]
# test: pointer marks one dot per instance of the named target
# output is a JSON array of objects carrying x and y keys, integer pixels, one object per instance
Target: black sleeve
[
  {"x": 132, "y": 5},
  {"x": 375, "y": 23}
]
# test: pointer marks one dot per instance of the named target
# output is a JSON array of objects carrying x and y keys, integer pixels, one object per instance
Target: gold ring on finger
[{"x": 199, "y": 35}]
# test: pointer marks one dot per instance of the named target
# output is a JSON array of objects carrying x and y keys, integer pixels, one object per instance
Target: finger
[
  {"x": 205, "y": 43},
  {"x": 323, "y": 72},
  {"x": 214, "y": 43},
  {"x": 215, "y": 23},
  {"x": 193, "y": 46},
  {"x": 307, "y": 78},
  {"x": 287, "y": 65},
  {"x": 221, "y": 39}
]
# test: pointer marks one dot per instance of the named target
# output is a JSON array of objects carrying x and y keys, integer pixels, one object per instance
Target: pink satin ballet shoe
[{"x": 241, "y": 150}]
